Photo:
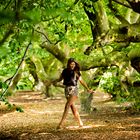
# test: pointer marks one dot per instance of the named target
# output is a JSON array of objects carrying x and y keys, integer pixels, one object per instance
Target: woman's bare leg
[
  {"x": 69, "y": 102},
  {"x": 76, "y": 115}
]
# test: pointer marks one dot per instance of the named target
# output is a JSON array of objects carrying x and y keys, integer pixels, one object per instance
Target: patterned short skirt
[{"x": 71, "y": 90}]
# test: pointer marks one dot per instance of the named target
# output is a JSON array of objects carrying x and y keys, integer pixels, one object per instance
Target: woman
[{"x": 70, "y": 77}]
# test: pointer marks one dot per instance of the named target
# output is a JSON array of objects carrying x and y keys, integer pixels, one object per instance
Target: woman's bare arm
[{"x": 84, "y": 84}]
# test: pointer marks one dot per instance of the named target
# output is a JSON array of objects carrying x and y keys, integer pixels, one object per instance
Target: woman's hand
[{"x": 90, "y": 91}]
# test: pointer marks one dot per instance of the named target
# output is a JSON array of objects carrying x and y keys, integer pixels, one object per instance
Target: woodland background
[{"x": 37, "y": 37}]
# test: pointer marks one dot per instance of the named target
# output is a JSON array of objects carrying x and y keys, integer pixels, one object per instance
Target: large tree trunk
[
  {"x": 102, "y": 19},
  {"x": 15, "y": 80},
  {"x": 32, "y": 71},
  {"x": 44, "y": 83}
]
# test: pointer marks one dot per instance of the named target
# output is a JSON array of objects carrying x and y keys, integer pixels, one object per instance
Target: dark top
[{"x": 69, "y": 77}]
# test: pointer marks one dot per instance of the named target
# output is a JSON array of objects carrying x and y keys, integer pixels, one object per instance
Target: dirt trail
[{"x": 109, "y": 121}]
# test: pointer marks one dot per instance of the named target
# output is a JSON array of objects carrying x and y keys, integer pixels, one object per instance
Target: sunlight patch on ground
[
  {"x": 44, "y": 112},
  {"x": 136, "y": 118},
  {"x": 101, "y": 96},
  {"x": 25, "y": 96},
  {"x": 120, "y": 127},
  {"x": 53, "y": 98},
  {"x": 135, "y": 125},
  {"x": 98, "y": 125},
  {"x": 115, "y": 104},
  {"x": 84, "y": 127},
  {"x": 77, "y": 127},
  {"x": 84, "y": 115}
]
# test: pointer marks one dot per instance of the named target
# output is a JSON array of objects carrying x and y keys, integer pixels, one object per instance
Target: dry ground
[{"x": 40, "y": 117}]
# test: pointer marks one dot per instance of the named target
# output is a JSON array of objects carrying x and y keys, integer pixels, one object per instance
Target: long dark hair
[{"x": 77, "y": 66}]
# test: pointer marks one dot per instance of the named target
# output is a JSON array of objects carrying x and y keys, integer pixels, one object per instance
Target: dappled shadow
[
  {"x": 27, "y": 97},
  {"x": 4, "y": 110},
  {"x": 109, "y": 121}
]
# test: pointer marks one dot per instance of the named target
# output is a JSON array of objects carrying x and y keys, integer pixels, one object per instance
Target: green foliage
[
  {"x": 6, "y": 16},
  {"x": 135, "y": 97},
  {"x": 110, "y": 83},
  {"x": 3, "y": 85},
  {"x": 25, "y": 84},
  {"x": 3, "y": 52},
  {"x": 33, "y": 15},
  {"x": 37, "y": 51},
  {"x": 19, "y": 109},
  {"x": 9, "y": 61},
  {"x": 67, "y": 23},
  {"x": 11, "y": 106},
  {"x": 7, "y": 103}
]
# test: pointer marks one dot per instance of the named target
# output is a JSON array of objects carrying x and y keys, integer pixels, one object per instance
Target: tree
[{"x": 97, "y": 33}]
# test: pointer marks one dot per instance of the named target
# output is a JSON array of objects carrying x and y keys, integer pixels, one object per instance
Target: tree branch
[
  {"x": 12, "y": 78},
  {"x": 48, "y": 40},
  {"x": 116, "y": 14},
  {"x": 122, "y": 3},
  {"x": 134, "y": 5},
  {"x": 56, "y": 52}
]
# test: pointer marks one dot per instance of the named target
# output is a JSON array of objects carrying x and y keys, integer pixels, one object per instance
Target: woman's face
[{"x": 72, "y": 65}]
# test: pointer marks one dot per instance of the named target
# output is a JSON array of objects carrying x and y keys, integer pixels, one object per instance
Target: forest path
[{"x": 109, "y": 121}]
